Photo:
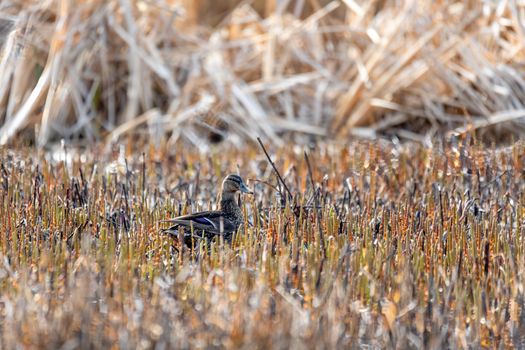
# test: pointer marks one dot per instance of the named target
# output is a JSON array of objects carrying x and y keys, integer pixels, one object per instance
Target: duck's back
[{"x": 209, "y": 224}]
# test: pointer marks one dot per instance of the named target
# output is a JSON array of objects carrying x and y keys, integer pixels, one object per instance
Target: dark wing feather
[
  {"x": 202, "y": 214},
  {"x": 209, "y": 221}
]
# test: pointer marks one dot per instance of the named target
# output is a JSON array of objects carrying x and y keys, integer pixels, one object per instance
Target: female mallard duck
[{"x": 210, "y": 224}]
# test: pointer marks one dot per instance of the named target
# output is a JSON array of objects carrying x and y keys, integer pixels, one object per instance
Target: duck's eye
[
  {"x": 231, "y": 183},
  {"x": 237, "y": 181}
]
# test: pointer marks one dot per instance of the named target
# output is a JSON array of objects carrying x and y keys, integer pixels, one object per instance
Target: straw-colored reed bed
[
  {"x": 409, "y": 247},
  {"x": 92, "y": 70}
]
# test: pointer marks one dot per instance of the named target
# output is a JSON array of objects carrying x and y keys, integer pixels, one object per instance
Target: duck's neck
[{"x": 228, "y": 202}]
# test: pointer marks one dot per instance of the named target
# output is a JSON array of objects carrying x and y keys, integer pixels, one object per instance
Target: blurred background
[{"x": 206, "y": 72}]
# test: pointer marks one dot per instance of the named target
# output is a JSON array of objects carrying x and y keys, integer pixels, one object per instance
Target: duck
[{"x": 210, "y": 224}]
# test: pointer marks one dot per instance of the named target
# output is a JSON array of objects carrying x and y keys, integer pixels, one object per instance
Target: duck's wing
[{"x": 210, "y": 221}]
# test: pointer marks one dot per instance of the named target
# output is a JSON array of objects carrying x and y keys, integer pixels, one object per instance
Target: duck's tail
[{"x": 172, "y": 231}]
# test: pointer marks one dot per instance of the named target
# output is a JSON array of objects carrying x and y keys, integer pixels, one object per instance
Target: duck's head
[{"x": 233, "y": 184}]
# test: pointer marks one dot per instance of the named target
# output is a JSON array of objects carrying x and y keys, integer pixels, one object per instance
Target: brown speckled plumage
[{"x": 211, "y": 224}]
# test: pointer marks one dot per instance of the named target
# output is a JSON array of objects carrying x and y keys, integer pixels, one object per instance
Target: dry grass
[
  {"x": 422, "y": 248},
  {"x": 187, "y": 69},
  {"x": 399, "y": 246}
]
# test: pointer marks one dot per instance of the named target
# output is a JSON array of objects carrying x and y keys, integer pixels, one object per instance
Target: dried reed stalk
[{"x": 316, "y": 68}]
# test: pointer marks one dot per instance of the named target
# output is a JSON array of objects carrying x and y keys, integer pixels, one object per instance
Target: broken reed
[{"x": 422, "y": 247}]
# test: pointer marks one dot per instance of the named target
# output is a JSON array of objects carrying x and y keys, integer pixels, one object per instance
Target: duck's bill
[{"x": 245, "y": 189}]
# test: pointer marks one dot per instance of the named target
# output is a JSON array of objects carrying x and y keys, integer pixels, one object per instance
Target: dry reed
[
  {"x": 316, "y": 69},
  {"x": 408, "y": 247}
]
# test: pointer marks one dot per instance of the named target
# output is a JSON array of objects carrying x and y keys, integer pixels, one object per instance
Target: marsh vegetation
[{"x": 409, "y": 247}]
